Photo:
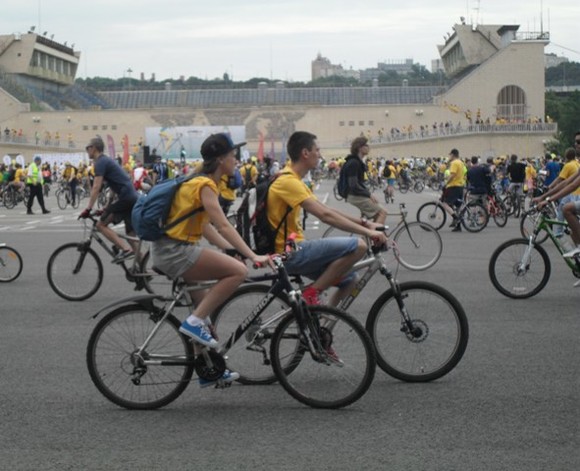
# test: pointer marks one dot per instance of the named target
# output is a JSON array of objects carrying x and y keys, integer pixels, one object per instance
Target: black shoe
[
  {"x": 29, "y": 212},
  {"x": 457, "y": 228},
  {"x": 45, "y": 211}
]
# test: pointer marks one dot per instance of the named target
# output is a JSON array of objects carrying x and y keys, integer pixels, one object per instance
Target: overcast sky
[{"x": 270, "y": 38}]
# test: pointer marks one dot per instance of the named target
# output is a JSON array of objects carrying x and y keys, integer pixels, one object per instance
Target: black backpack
[
  {"x": 342, "y": 184},
  {"x": 255, "y": 229},
  {"x": 387, "y": 171}
]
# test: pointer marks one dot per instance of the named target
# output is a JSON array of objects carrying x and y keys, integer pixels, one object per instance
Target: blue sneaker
[
  {"x": 198, "y": 333},
  {"x": 227, "y": 378}
]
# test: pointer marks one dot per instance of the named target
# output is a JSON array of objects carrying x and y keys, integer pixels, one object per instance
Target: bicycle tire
[
  {"x": 403, "y": 188},
  {"x": 62, "y": 199},
  {"x": 432, "y": 213},
  {"x": 153, "y": 282},
  {"x": 514, "y": 281},
  {"x": 418, "y": 186},
  {"x": 10, "y": 264},
  {"x": 74, "y": 286},
  {"x": 324, "y": 384},
  {"x": 474, "y": 217},
  {"x": 9, "y": 198},
  {"x": 527, "y": 226},
  {"x": 249, "y": 356},
  {"x": 418, "y": 246},
  {"x": 500, "y": 216},
  {"x": 439, "y": 342},
  {"x": 111, "y": 361}
]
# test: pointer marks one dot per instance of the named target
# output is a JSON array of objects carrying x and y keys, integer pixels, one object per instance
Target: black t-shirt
[{"x": 517, "y": 172}]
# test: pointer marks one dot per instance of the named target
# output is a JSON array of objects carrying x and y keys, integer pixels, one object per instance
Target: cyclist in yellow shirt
[
  {"x": 453, "y": 191},
  {"x": 179, "y": 254},
  {"x": 326, "y": 261}
]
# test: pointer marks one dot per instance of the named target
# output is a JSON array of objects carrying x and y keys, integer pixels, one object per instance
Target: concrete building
[{"x": 494, "y": 106}]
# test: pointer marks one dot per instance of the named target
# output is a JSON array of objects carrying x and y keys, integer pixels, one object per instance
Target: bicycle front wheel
[
  {"x": 500, "y": 216},
  {"x": 418, "y": 246},
  {"x": 528, "y": 225},
  {"x": 10, "y": 264},
  {"x": 432, "y": 213},
  {"x": 249, "y": 353},
  {"x": 427, "y": 347},
  {"x": 62, "y": 198},
  {"x": 313, "y": 378},
  {"x": 474, "y": 217},
  {"x": 122, "y": 375},
  {"x": 74, "y": 272},
  {"x": 518, "y": 271}
]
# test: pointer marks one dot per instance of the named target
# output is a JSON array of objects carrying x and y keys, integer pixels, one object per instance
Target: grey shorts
[
  {"x": 174, "y": 257},
  {"x": 367, "y": 208}
]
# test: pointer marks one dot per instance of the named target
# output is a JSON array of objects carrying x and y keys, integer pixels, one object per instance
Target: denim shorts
[{"x": 312, "y": 257}]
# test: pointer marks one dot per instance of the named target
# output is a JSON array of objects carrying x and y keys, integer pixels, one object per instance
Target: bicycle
[
  {"x": 472, "y": 215},
  {"x": 418, "y": 245},
  {"x": 12, "y": 196},
  {"x": 494, "y": 207},
  {"x": 64, "y": 196},
  {"x": 520, "y": 268},
  {"x": 335, "y": 191},
  {"x": 514, "y": 200},
  {"x": 420, "y": 330},
  {"x": 10, "y": 264},
  {"x": 75, "y": 270},
  {"x": 528, "y": 222},
  {"x": 138, "y": 359}
]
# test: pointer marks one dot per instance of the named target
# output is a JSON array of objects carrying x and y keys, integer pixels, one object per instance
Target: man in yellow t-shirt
[
  {"x": 453, "y": 191},
  {"x": 326, "y": 261}
]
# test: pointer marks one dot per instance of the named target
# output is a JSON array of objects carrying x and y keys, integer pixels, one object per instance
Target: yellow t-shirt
[
  {"x": 19, "y": 175},
  {"x": 569, "y": 170},
  {"x": 287, "y": 190},
  {"x": 225, "y": 191},
  {"x": 458, "y": 179},
  {"x": 188, "y": 197}
]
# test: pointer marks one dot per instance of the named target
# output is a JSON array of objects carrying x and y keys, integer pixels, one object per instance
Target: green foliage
[
  {"x": 566, "y": 73},
  {"x": 565, "y": 110}
]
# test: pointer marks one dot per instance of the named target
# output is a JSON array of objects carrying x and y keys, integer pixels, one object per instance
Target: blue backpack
[{"x": 151, "y": 211}]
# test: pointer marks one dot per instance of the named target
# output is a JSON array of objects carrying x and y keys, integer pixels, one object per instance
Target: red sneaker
[{"x": 310, "y": 295}]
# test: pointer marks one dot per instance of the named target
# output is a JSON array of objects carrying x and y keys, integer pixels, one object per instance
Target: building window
[
  {"x": 361, "y": 123},
  {"x": 104, "y": 127},
  {"x": 113, "y": 127},
  {"x": 511, "y": 104},
  {"x": 95, "y": 127},
  {"x": 341, "y": 123},
  {"x": 85, "y": 128},
  {"x": 351, "y": 123},
  {"x": 371, "y": 123}
]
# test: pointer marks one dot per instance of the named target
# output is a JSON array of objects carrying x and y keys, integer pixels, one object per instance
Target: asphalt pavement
[{"x": 510, "y": 404}]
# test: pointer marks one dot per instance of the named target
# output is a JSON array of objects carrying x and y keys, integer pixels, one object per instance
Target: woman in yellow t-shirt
[{"x": 179, "y": 255}]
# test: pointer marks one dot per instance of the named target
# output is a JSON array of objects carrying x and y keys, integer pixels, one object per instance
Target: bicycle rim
[
  {"x": 433, "y": 345},
  {"x": 527, "y": 227},
  {"x": 432, "y": 214},
  {"x": 419, "y": 246},
  {"x": 250, "y": 354},
  {"x": 65, "y": 277},
  {"x": 318, "y": 383},
  {"x": 112, "y": 363},
  {"x": 474, "y": 217},
  {"x": 10, "y": 264},
  {"x": 515, "y": 279}
]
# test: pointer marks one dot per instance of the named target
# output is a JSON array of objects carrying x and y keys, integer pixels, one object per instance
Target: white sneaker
[
  {"x": 577, "y": 284},
  {"x": 572, "y": 253}
]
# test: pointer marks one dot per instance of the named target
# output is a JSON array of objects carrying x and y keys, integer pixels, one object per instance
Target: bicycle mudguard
[{"x": 145, "y": 300}]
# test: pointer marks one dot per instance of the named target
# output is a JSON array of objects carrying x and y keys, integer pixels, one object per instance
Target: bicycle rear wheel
[
  {"x": 249, "y": 354},
  {"x": 74, "y": 272},
  {"x": 517, "y": 274},
  {"x": 10, "y": 264},
  {"x": 436, "y": 340},
  {"x": 418, "y": 246},
  {"x": 121, "y": 375},
  {"x": 474, "y": 217},
  {"x": 315, "y": 379},
  {"x": 500, "y": 216},
  {"x": 432, "y": 213},
  {"x": 9, "y": 198},
  {"x": 62, "y": 198}
]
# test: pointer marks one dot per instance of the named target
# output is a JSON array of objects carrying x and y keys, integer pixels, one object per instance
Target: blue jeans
[
  {"x": 560, "y": 214},
  {"x": 312, "y": 257}
]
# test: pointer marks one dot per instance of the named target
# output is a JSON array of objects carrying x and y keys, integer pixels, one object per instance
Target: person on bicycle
[
  {"x": 178, "y": 253},
  {"x": 571, "y": 210},
  {"x": 109, "y": 171},
  {"x": 390, "y": 174},
  {"x": 478, "y": 178},
  {"x": 357, "y": 192},
  {"x": 327, "y": 261},
  {"x": 516, "y": 171},
  {"x": 452, "y": 195},
  {"x": 70, "y": 177},
  {"x": 569, "y": 169}
]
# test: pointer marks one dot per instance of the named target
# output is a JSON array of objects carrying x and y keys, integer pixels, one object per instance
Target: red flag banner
[
  {"x": 125, "y": 149},
  {"x": 261, "y": 148},
  {"x": 111, "y": 145}
]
